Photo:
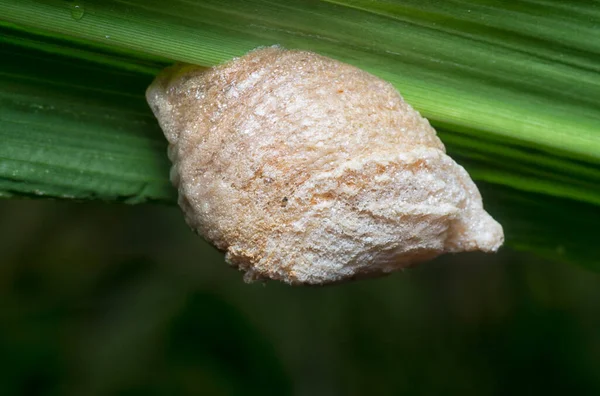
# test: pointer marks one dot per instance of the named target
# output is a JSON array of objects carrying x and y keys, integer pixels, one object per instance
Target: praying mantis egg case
[{"x": 311, "y": 171}]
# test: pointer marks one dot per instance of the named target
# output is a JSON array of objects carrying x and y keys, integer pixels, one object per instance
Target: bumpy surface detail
[{"x": 311, "y": 171}]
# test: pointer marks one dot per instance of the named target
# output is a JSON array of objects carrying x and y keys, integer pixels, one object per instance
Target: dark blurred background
[{"x": 102, "y": 299}]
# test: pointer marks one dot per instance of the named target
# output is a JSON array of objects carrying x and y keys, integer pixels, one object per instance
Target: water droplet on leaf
[{"x": 77, "y": 10}]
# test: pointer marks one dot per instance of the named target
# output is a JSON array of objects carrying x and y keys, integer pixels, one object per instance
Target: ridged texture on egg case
[{"x": 311, "y": 171}]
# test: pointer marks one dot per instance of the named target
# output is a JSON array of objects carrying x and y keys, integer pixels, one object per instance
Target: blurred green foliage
[{"x": 100, "y": 299}]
